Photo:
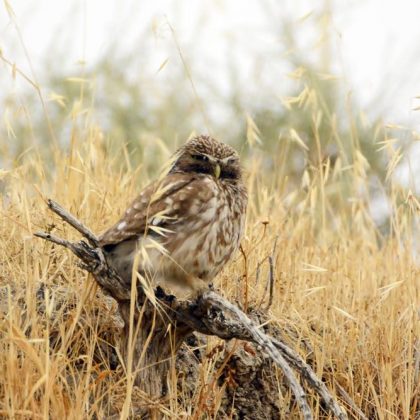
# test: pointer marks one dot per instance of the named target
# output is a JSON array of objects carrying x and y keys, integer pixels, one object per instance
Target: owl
[{"x": 184, "y": 227}]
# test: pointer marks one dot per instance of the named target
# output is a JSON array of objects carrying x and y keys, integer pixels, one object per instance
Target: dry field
[
  {"x": 345, "y": 293},
  {"x": 331, "y": 270}
]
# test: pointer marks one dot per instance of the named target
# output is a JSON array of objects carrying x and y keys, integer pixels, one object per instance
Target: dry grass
[
  {"x": 350, "y": 293},
  {"x": 347, "y": 294}
]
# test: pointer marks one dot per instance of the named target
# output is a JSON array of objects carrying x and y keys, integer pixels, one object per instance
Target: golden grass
[
  {"x": 349, "y": 292},
  {"x": 343, "y": 288}
]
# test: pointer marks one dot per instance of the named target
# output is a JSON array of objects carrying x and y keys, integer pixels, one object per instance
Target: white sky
[{"x": 377, "y": 42}]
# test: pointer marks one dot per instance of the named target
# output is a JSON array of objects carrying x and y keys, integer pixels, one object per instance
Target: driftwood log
[{"x": 156, "y": 325}]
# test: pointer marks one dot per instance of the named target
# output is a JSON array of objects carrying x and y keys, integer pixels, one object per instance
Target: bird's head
[{"x": 205, "y": 155}]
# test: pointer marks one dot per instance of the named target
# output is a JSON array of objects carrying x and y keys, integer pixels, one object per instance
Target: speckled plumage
[{"x": 185, "y": 226}]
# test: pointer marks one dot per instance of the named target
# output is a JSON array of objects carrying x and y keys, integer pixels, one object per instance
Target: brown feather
[{"x": 140, "y": 214}]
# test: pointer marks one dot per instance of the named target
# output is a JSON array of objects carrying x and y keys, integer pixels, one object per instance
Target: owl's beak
[{"x": 217, "y": 171}]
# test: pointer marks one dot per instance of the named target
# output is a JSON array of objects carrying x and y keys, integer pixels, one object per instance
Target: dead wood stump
[{"x": 156, "y": 326}]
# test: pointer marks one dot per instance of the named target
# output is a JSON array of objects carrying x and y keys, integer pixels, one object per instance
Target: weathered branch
[
  {"x": 220, "y": 318},
  {"x": 209, "y": 314},
  {"x": 214, "y": 315},
  {"x": 71, "y": 220},
  {"x": 93, "y": 261},
  {"x": 346, "y": 397}
]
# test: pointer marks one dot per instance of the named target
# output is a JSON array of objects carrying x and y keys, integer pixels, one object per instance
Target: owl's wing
[{"x": 159, "y": 206}]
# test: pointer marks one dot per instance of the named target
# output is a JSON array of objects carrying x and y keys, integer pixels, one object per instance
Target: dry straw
[{"x": 347, "y": 292}]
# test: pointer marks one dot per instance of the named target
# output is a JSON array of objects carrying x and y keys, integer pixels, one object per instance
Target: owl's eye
[
  {"x": 201, "y": 158},
  {"x": 231, "y": 161}
]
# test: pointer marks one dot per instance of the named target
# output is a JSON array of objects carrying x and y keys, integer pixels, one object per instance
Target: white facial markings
[{"x": 227, "y": 159}]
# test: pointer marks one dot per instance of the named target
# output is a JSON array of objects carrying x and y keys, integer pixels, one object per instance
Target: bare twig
[
  {"x": 271, "y": 281},
  {"x": 272, "y": 272},
  {"x": 271, "y": 276},
  {"x": 346, "y": 397},
  {"x": 306, "y": 371},
  {"x": 94, "y": 262},
  {"x": 71, "y": 220},
  {"x": 54, "y": 239}
]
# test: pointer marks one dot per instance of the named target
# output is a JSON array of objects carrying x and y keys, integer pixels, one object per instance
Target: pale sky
[{"x": 376, "y": 43}]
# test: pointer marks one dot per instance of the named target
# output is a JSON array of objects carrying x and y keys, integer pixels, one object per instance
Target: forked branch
[{"x": 209, "y": 314}]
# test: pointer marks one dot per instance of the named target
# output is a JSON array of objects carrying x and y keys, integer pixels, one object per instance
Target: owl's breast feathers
[{"x": 198, "y": 221}]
